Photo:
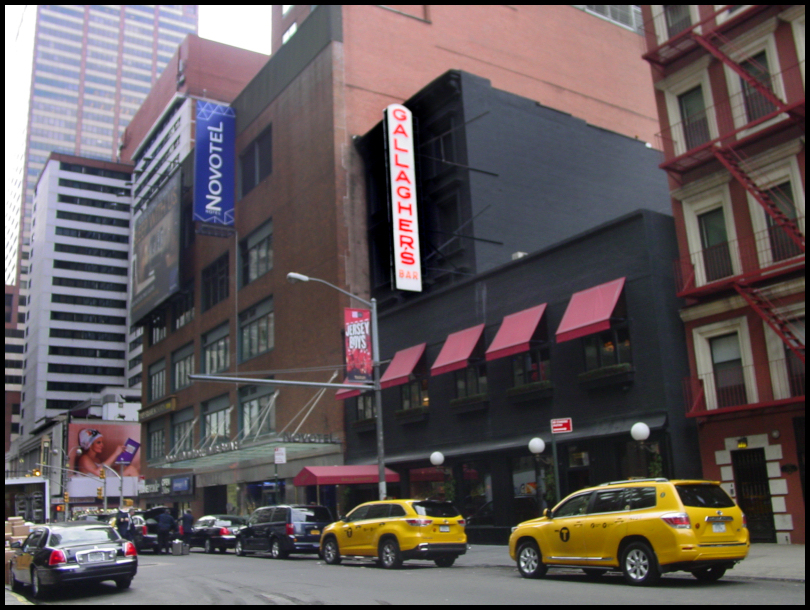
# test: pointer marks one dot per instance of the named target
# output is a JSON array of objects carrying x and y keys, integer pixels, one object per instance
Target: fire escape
[{"x": 743, "y": 133}]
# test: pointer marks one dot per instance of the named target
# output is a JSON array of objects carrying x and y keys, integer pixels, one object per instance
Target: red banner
[{"x": 359, "y": 366}]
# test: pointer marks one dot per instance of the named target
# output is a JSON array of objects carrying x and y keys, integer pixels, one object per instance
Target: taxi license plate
[
  {"x": 444, "y": 528},
  {"x": 719, "y": 528},
  {"x": 314, "y": 532}
]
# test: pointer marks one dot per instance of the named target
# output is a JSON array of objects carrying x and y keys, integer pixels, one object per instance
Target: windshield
[
  {"x": 704, "y": 496},
  {"x": 435, "y": 509},
  {"x": 82, "y": 535},
  {"x": 311, "y": 514}
]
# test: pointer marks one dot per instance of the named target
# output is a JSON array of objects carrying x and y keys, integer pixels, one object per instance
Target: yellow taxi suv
[
  {"x": 394, "y": 530},
  {"x": 642, "y": 527}
]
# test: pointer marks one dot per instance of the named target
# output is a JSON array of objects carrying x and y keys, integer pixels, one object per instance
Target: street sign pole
[
  {"x": 558, "y": 426},
  {"x": 556, "y": 469}
]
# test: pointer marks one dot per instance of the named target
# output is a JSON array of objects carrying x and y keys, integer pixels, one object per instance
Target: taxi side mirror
[
  {"x": 547, "y": 513},
  {"x": 16, "y": 544},
  {"x": 342, "y": 518}
]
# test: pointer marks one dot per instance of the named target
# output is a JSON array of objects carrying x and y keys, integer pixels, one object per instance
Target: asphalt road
[{"x": 227, "y": 579}]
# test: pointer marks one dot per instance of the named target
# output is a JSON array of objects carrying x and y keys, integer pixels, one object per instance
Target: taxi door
[
  {"x": 367, "y": 535},
  {"x": 564, "y": 536},
  {"x": 605, "y": 525},
  {"x": 348, "y": 532}
]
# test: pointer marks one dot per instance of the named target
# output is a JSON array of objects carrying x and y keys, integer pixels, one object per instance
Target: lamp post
[{"x": 375, "y": 355}]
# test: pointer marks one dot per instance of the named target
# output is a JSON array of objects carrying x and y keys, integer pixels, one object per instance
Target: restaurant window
[
  {"x": 257, "y": 330},
  {"x": 608, "y": 348},
  {"x": 157, "y": 380},
  {"x": 215, "y": 282},
  {"x": 256, "y": 162},
  {"x": 531, "y": 367},
  {"x": 257, "y": 410},
  {"x": 182, "y": 366},
  {"x": 475, "y": 497},
  {"x": 415, "y": 394},
  {"x": 471, "y": 380},
  {"x": 215, "y": 347},
  {"x": 365, "y": 407},
  {"x": 257, "y": 253}
]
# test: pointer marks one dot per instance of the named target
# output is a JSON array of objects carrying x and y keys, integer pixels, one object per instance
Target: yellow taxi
[
  {"x": 642, "y": 527},
  {"x": 395, "y": 530}
]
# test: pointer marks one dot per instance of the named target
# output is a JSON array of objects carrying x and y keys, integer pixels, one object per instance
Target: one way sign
[{"x": 561, "y": 425}]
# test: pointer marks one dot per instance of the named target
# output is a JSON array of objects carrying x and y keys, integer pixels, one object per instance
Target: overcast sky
[{"x": 243, "y": 26}]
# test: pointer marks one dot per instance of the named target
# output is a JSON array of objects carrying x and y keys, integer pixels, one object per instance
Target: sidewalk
[{"x": 764, "y": 561}]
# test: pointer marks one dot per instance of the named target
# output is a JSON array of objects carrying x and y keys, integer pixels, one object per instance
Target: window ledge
[
  {"x": 476, "y": 402},
  {"x": 531, "y": 392},
  {"x": 617, "y": 374},
  {"x": 365, "y": 425},
  {"x": 409, "y": 416}
]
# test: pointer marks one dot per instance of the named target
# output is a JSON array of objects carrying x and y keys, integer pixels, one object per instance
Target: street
[{"x": 484, "y": 576}]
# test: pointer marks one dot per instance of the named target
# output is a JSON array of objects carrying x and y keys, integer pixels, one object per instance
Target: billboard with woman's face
[{"x": 96, "y": 445}]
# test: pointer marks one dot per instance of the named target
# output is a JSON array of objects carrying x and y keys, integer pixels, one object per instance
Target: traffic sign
[{"x": 564, "y": 424}]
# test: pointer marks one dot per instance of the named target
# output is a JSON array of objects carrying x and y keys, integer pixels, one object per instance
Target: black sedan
[
  {"x": 76, "y": 552},
  {"x": 216, "y": 532}
]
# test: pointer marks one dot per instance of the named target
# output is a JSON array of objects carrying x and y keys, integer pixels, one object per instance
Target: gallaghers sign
[
  {"x": 214, "y": 158},
  {"x": 402, "y": 195}
]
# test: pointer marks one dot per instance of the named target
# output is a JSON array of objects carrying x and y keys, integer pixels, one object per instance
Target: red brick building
[{"x": 729, "y": 86}]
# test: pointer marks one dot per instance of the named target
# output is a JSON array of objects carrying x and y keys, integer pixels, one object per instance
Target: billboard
[
  {"x": 93, "y": 443},
  {"x": 214, "y": 160},
  {"x": 402, "y": 197},
  {"x": 156, "y": 250},
  {"x": 359, "y": 365}
]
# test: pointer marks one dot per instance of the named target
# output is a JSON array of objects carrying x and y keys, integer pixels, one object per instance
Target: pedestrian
[
  {"x": 131, "y": 531},
  {"x": 122, "y": 523},
  {"x": 166, "y": 524},
  {"x": 188, "y": 522}
]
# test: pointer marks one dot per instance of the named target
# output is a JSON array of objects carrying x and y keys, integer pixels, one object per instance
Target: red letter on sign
[
  {"x": 405, "y": 225},
  {"x": 400, "y": 130}
]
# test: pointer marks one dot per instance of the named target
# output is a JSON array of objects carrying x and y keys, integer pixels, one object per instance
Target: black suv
[{"x": 283, "y": 530}]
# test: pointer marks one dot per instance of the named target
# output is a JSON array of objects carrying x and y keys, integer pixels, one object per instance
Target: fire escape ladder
[
  {"x": 731, "y": 161},
  {"x": 712, "y": 48},
  {"x": 766, "y": 310}
]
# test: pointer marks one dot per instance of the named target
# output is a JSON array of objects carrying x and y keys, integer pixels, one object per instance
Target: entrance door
[{"x": 753, "y": 493}]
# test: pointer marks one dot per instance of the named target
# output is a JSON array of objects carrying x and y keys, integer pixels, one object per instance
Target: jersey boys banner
[
  {"x": 402, "y": 195},
  {"x": 214, "y": 159},
  {"x": 359, "y": 367}
]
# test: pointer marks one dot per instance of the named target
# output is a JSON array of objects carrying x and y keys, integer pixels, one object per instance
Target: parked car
[
  {"x": 283, "y": 529},
  {"x": 145, "y": 534},
  {"x": 216, "y": 532},
  {"x": 395, "y": 530},
  {"x": 79, "y": 551},
  {"x": 644, "y": 527}
]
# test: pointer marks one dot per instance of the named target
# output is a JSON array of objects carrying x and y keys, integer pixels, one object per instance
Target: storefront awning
[
  {"x": 515, "y": 334},
  {"x": 590, "y": 311},
  {"x": 342, "y": 475},
  {"x": 349, "y": 392},
  {"x": 402, "y": 365},
  {"x": 457, "y": 350}
]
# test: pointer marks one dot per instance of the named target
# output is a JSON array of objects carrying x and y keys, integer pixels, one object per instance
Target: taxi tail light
[
  {"x": 679, "y": 521},
  {"x": 57, "y": 557},
  {"x": 224, "y": 531},
  {"x": 461, "y": 522},
  {"x": 745, "y": 521},
  {"x": 145, "y": 531},
  {"x": 130, "y": 550},
  {"x": 419, "y": 522},
  {"x": 290, "y": 529}
]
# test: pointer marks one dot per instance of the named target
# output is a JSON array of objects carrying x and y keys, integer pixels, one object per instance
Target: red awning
[
  {"x": 457, "y": 350},
  {"x": 515, "y": 333},
  {"x": 349, "y": 392},
  {"x": 342, "y": 475},
  {"x": 589, "y": 311},
  {"x": 402, "y": 365}
]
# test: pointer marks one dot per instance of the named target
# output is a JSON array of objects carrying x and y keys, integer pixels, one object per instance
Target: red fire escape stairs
[{"x": 766, "y": 310}]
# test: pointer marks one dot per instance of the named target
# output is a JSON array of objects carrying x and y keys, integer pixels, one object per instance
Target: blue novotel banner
[{"x": 214, "y": 160}]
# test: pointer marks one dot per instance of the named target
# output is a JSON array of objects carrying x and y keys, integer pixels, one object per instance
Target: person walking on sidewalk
[
  {"x": 188, "y": 522},
  {"x": 166, "y": 524}
]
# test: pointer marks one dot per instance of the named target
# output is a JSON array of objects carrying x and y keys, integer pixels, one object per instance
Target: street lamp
[
  {"x": 375, "y": 355},
  {"x": 537, "y": 446}
]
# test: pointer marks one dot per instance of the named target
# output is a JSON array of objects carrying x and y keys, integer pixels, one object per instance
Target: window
[
  {"x": 714, "y": 244},
  {"x": 472, "y": 380},
  {"x": 729, "y": 379},
  {"x": 215, "y": 345},
  {"x": 182, "y": 430},
  {"x": 289, "y": 33},
  {"x": 782, "y": 246},
  {"x": 256, "y": 330},
  {"x": 215, "y": 282},
  {"x": 415, "y": 394},
  {"x": 217, "y": 420},
  {"x": 608, "y": 501},
  {"x": 183, "y": 308},
  {"x": 365, "y": 407},
  {"x": 182, "y": 366},
  {"x": 756, "y": 104},
  {"x": 257, "y": 253},
  {"x": 157, "y": 327},
  {"x": 693, "y": 117},
  {"x": 258, "y": 413},
  {"x": 573, "y": 507},
  {"x": 157, "y": 380},
  {"x": 156, "y": 439},
  {"x": 607, "y": 348},
  {"x": 678, "y": 18},
  {"x": 531, "y": 367},
  {"x": 256, "y": 162}
]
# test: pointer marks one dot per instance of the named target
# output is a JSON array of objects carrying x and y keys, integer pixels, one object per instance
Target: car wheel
[
  {"x": 123, "y": 583},
  {"x": 639, "y": 565},
  {"x": 36, "y": 585},
  {"x": 239, "y": 549},
  {"x": 389, "y": 554},
  {"x": 530, "y": 560},
  {"x": 446, "y": 561},
  {"x": 16, "y": 585},
  {"x": 331, "y": 552},
  {"x": 276, "y": 552},
  {"x": 710, "y": 574},
  {"x": 209, "y": 548}
]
